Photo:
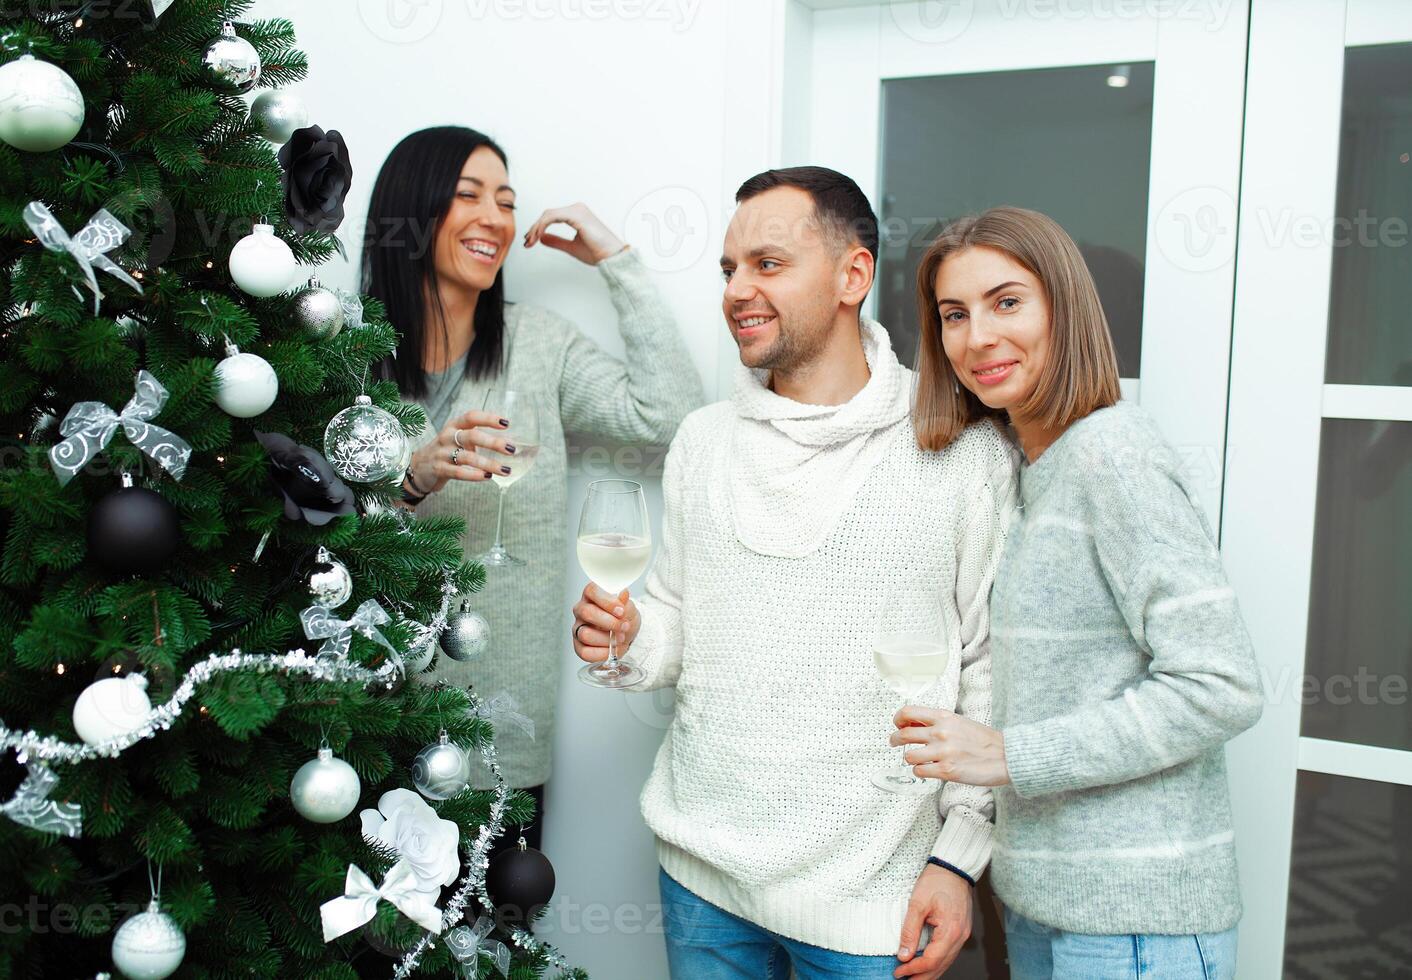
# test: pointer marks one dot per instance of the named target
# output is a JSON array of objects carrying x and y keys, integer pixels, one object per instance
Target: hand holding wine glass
[
  {"x": 599, "y": 613},
  {"x": 614, "y": 547}
]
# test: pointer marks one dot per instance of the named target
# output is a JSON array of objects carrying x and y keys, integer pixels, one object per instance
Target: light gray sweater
[
  {"x": 1122, "y": 666},
  {"x": 639, "y": 399}
]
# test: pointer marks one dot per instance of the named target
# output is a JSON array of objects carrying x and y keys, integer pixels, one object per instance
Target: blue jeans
[
  {"x": 708, "y": 943},
  {"x": 1037, "y": 951}
]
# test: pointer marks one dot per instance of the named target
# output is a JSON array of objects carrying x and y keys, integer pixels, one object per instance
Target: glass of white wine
[
  {"x": 911, "y": 654},
  {"x": 522, "y": 410},
  {"x": 614, "y": 547}
]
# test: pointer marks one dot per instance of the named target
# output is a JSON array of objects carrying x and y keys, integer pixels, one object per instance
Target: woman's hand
[
  {"x": 593, "y": 243},
  {"x": 464, "y": 439},
  {"x": 599, "y": 613},
  {"x": 951, "y": 747}
]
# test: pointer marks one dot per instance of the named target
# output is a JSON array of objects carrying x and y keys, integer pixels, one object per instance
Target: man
[{"x": 793, "y": 512}]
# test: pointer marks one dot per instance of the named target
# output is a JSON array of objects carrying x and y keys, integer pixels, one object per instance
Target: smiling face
[
  {"x": 474, "y": 236},
  {"x": 785, "y": 279},
  {"x": 995, "y": 325}
]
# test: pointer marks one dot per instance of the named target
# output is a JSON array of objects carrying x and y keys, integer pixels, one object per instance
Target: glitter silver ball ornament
[
  {"x": 149, "y": 946},
  {"x": 325, "y": 790},
  {"x": 246, "y": 385},
  {"x": 278, "y": 114},
  {"x": 330, "y": 583},
  {"x": 318, "y": 311},
  {"x": 41, "y": 108},
  {"x": 467, "y": 635},
  {"x": 441, "y": 770},
  {"x": 365, "y": 444},
  {"x": 232, "y": 59}
]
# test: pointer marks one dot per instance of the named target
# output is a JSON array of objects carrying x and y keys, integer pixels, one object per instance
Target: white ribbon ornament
[
  {"x": 103, "y": 233},
  {"x": 359, "y": 902}
]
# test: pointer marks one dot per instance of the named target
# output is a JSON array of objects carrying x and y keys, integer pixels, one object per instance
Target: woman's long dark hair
[{"x": 413, "y": 193}]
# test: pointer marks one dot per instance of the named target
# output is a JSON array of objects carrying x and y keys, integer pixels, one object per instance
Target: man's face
[{"x": 784, "y": 280}]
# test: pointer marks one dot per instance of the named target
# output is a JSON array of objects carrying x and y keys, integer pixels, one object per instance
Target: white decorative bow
[
  {"x": 103, "y": 233},
  {"x": 502, "y": 710},
  {"x": 89, "y": 427},
  {"x": 468, "y": 945},
  {"x": 31, "y": 806},
  {"x": 321, "y": 624},
  {"x": 359, "y": 901}
]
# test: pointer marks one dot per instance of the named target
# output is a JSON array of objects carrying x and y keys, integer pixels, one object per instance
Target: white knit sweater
[{"x": 785, "y": 526}]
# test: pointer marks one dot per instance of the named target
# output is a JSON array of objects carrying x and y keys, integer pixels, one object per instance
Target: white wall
[{"x": 620, "y": 104}]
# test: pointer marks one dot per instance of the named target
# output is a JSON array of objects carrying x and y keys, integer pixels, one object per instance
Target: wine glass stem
[
  {"x": 499, "y": 517},
  {"x": 905, "y": 764},
  {"x": 611, "y": 664}
]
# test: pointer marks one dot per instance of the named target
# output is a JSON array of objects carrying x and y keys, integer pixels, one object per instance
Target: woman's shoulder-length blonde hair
[{"x": 1081, "y": 374}]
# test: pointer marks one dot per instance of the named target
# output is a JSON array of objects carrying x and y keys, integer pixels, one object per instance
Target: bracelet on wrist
[{"x": 952, "y": 868}]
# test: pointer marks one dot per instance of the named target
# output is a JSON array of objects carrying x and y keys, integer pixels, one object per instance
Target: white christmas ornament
[
  {"x": 278, "y": 114},
  {"x": 365, "y": 444},
  {"x": 41, "y": 108},
  {"x": 111, "y": 707},
  {"x": 246, "y": 385},
  {"x": 261, "y": 263},
  {"x": 325, "y": 790},
  {"x": 424, "y": 842},
  {"x": 149, "y": 946}
]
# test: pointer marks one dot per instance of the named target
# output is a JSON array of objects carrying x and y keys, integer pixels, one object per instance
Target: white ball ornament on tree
[
  {"x": 232, "y": 60},
  {"x": 318, "y": 311},
  {"x": 325, "y": 790},
  {"x": 261, "y": 263},
  {"x": 111, "y": 707},
  {"x": 41, "y": 108},
  {"x": 149, "y": 946},
  {"x": 278, "y": 114},
  {"x": 442, "y": 769},
  {"x": 366, "y": 444},
  {"x": 246, "y": 385}
]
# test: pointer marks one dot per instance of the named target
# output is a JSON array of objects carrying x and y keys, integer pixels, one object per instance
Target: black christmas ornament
[
  {"x": 133, "y": 530},
  {"x": 520, "y": 881},
  {"x": 311, "y": 489},
  {"x": 316, "y": 178}
]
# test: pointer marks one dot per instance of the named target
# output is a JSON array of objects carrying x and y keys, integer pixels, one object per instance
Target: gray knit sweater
[
  {"x": 639, "y": 399},
  {"x": 1122, "y": 666}
]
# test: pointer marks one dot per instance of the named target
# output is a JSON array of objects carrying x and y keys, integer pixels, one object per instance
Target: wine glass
[
  {"x": 614, "y": 546},
  {"x": 911, "y": 654},
  {"x": 522, "y": 410}
]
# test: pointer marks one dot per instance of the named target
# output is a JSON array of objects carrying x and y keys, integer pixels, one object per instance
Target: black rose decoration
[
  {"x": 309, "y": 486},
  {"x": 316, "y": 178}
]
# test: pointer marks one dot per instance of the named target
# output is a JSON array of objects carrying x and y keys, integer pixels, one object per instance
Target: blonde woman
[{"x": 1121, "y": 663}]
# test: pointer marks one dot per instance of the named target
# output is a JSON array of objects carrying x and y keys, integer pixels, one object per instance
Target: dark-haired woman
[{"x": 440, "y": 225}]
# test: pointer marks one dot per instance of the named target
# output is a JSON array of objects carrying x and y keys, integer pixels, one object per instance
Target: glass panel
[
  {"x": 1371, "y": 290},
  {"x": 1071, "y": 142},
  {"x": 1350, "y": 880},
  {"x": 1360, "y": 620}
]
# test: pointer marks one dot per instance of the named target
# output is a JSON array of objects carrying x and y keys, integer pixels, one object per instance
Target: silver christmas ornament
[
  {"x": 467, "y": 635},
  {"x": 318, "y": 311},
  {"x": 325, "y": 790},
  {"x": 246, "y": 385},
  {"x": 365, "y": 444},
  {"x": 41, "y": 108},
  {"x": 442, "y": 769},
  {"x": 232, "y": 59},
  {"x": 330, "y": 584},
  {"x": 149, "y": 946},
  {"x": 278, "y": 114}
]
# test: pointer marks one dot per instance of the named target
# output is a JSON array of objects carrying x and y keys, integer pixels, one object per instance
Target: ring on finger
[
  {"x": 455, "y": 455},
  {"x": 456, "y": 438},
  {"x": 576, "y": 631}
]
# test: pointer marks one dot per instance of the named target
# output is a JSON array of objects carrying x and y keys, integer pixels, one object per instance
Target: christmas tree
[{"x": 211, "y": 602}]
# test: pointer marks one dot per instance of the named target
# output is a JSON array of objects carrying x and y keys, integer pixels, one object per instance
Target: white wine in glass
[
  {"x": 523, "y": 411},
  {"x": 614, "y": 547},
  {"x": 910, "y": 657}
]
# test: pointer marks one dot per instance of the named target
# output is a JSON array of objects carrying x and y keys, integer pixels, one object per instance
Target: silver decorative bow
[
  {"x": 502, "y": 710},
  {"x": 31, "y": 806},
  {"x": 352, "y": 305},
  {"x": 469, "y": 945},
  {"x": 89, "y": 427},
  {"x": 103, "y": 233},
  {"x": 321, "y": 624},
  {"x": 359, "y": 901}
]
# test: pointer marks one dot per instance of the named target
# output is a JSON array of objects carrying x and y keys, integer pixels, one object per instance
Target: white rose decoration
[{"x": 423, "y": 841}]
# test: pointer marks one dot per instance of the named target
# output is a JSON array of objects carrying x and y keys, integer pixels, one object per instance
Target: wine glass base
[
  {"x": 601, "y": 675},
  {"x": 904, "y": 783},
  {"x": 498, "y": 558}
]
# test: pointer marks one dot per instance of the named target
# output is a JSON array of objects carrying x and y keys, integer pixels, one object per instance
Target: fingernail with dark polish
[
  {"x": 505, "y": 423},
  {"x": 505, "y": 470},
  {"x": 509, "y": 449}
]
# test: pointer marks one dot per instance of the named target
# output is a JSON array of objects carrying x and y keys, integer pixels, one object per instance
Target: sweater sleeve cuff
[
  {"x": 964, "y": 843},
  {"x": 620, "y": 266},
  {"x": 648, "y": 651},
  {"x": 1039, "y": 757}
]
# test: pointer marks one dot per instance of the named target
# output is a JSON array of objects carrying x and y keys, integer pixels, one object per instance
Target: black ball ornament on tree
[
  {"x": 520, "y": 881},
  {"x": 133, "y": 530}
]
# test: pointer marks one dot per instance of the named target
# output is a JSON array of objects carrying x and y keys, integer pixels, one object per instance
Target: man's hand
[
  {"x": 951, "y": 747},
  {"x": 943, "y": 899}
]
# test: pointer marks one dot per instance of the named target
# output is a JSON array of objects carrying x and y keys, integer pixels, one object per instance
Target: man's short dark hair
[{"x": 842, "y": 208}]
